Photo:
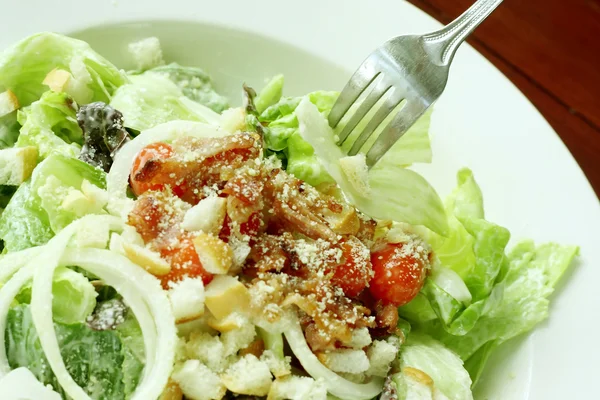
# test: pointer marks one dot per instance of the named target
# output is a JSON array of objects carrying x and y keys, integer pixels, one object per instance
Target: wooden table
[{"x": 550, "y": 49}]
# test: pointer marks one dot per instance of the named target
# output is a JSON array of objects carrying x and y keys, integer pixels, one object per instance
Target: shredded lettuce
[
  {"x": 152, "y": 99},
  {"x": 24, "y": 66}
]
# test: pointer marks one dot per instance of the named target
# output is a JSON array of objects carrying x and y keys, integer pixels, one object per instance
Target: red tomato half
[
  {"x": 399, "y": 273},
  {"x": 144, "y": 164}
]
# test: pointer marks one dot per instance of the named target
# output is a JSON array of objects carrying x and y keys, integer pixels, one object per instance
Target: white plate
[{"x": 530, "y": 182}]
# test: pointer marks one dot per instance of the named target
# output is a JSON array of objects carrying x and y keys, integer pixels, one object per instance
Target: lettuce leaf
[
  {"x": 9, "y": 130},
  {"x": 283, "y": 136},
  {"x": 473, "y": 249},
  {"x": 24, "y": 66},
  {"x": 50, "y": 124},
  {"x": 443, "y": 366},
  {"x": 24, "y": 223},
  {"x": 270, "y": 94},
  {"x": 73, "y": 296},
  {"x": 410, "y": 199},
  {"x": 49, "y": 201},
  {"x": 152, "y": 99},
  {"x": 195, "y": 84},
  {"x": 94, "y": 359},
  {"x": 509, "y": 291}
]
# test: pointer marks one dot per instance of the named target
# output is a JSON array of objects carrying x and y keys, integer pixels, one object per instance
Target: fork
[{"x": 410, "y": 69}]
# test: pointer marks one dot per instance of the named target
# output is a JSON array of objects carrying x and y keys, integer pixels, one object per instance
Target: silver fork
[{"x": 411, "y": 69}]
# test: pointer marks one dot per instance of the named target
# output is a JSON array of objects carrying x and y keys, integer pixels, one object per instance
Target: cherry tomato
[
  {"x": 144, "y": 162},
  {"x": 184, "y": 263},
  {"x": 399, "y": 273},
  {"x": 353, "y": 275}
]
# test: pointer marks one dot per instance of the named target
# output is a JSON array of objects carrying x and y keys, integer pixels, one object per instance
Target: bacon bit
[
  {"x": 267, "y": 255},
  {"x": 255, "y": 348},
  {"x": 317, "y": 340},
  {"x": 386, "y": 318},
  {"x": 151, "y": 213},
  {"x": 245, "y": 188}
]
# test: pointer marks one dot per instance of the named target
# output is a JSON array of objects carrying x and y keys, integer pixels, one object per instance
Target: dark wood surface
[{"x": 551, "y": 50}]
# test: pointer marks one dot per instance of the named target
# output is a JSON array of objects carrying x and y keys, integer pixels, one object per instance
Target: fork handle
[{"x": 443, "y": 44}]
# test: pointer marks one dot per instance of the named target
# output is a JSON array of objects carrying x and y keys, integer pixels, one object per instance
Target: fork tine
[
  {"x": 384, "y": 110},
  {"x": 375, "y": 93},
  {"x": 405, "y": 118},
  {"x": 357, "y": 84}
]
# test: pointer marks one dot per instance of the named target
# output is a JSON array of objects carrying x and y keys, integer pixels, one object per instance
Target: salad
[{"x": 159, "y": 244}]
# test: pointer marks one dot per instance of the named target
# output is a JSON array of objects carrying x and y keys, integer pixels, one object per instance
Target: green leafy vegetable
[
  {"x": 270, "y": 94},
  {"x": 73, "y": 296},
  {"x": 133, "y": 346},
  {"x": 95, "y": 359},
  {"x": 49, "y": 202},
  {"x": 9, "y": 130},
  {"x": 509, "y": 292},
  {"x": 195, "y": 85},
  {"x": 409, "y": 199},
  {"x": 50, "y": 125},
  {"x": 24, "y": 66},
  {"x": 24, "y": 223},
  {"x": 443, "y": 366},
  {"x": 103, "y": 134},
  {"x": 474, "y": 249},
  {"x": 152, "y": 98}
]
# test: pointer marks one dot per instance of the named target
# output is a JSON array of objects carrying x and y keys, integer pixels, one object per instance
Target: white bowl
[{"x": 531, "y": 183}]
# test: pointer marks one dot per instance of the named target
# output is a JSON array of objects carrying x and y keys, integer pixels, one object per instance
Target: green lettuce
[
  {"x": 9, "y": 130},
  {"x": 95, "y": 359},
  {"x": 396, "y": 193},
  {"x": 270, "y": 94},
  {"x": 509, "y": 292},
  {"x": 24, "y": 66},
  {"x": 50, "y": 124},
  {"x": 195, "y": 84},
  {"x": 73, "y": 296},
  {"x": 443, "y": 366},
  {"x": 152, "y": 98},
  {"x": 48, "y": 202}
]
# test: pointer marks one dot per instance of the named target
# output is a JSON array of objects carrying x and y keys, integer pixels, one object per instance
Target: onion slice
[{"x": 335, "y": 384}]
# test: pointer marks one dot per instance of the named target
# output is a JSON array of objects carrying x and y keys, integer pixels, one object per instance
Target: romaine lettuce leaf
[
  {"x": 270, "y": 94},
  {"x": 24, "y": 66},
  {"x": 73, "y": 296},
  {"x": 9, "y": 130},
  {"x": 195, "y": 85},
  {"x": 529, "y": 280},
  {"x": 50, "y": 124},
  {"x": 473, "y": 249},
  {"x": 396, "y": 194},
  {"x": 283, "y": 136},
  {"x": 152, "y": 99},
  {"x": 49, "y": 201},
  {"x": 24, "y": 223},
  {"x": 94, "y": 359},
  {"x": 443, "y": 366}
]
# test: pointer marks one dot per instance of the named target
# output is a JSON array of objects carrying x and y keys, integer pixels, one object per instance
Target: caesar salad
[{"x": 160, "y": 244}]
